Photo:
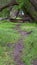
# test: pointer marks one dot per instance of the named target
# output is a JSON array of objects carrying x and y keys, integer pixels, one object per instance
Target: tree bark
[
  {"x": 12, "y": 3},
  {"x": 30, "y": 10},
  {"x": 34, "y": 3}
]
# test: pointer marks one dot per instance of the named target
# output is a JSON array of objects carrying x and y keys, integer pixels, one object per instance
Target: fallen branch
[
  {"x": 20, "y": 20},
  {"x": 16, "y": 20},
  {"x": 5, "y": 18}
]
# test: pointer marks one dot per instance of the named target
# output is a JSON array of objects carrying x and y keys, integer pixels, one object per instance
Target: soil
[
  {"x": 18, "y": 47},
  {"x": 34, "y": 62}
]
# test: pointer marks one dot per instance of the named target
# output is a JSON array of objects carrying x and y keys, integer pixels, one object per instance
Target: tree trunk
[
  {"x": 12, "y": 3},
  {"x": 30, "y": 9},
  {"x": 34, "y": 3}
]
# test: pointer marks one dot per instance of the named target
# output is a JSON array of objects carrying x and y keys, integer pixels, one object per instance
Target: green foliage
[
  {"x": 23, "y": 4},
  {"x": 4, "y": 13}
]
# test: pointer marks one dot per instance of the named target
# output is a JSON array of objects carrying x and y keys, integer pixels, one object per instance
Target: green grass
[
  {"x": 30, "y": 43},
  {"x": 7, "y": 32},
  {"x": 9, "y": 35},
  {"x": 7, "y": 24},
  {"x": 28, "y": 26}
]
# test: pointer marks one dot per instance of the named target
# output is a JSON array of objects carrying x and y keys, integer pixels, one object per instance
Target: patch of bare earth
[
  {"x": 23, "y": 33},
  {"x": 34, "y": 62},
  {"x": 18, "y": 47},
  {"x": 18, "y": 51}
]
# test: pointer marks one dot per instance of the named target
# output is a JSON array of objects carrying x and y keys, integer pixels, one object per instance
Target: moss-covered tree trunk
[
  {"x": 34, "y": 3},
  {"x": 8, "y": 4},
  {"x": 30, "y": 9}
]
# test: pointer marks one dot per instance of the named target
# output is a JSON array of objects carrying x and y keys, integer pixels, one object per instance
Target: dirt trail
[
  {"x": 23, "y": 33},
  {"x": 34, "y": 62},
  {"x": 18, "y": 52},
  {"x": 18, "y": 49}
]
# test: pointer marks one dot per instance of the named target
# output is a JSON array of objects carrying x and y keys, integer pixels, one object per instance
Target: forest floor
[{"x": 18, "y": 43}]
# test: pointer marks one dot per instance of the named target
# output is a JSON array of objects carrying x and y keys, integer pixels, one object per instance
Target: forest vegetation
[{"x": 18, "y": 32}]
